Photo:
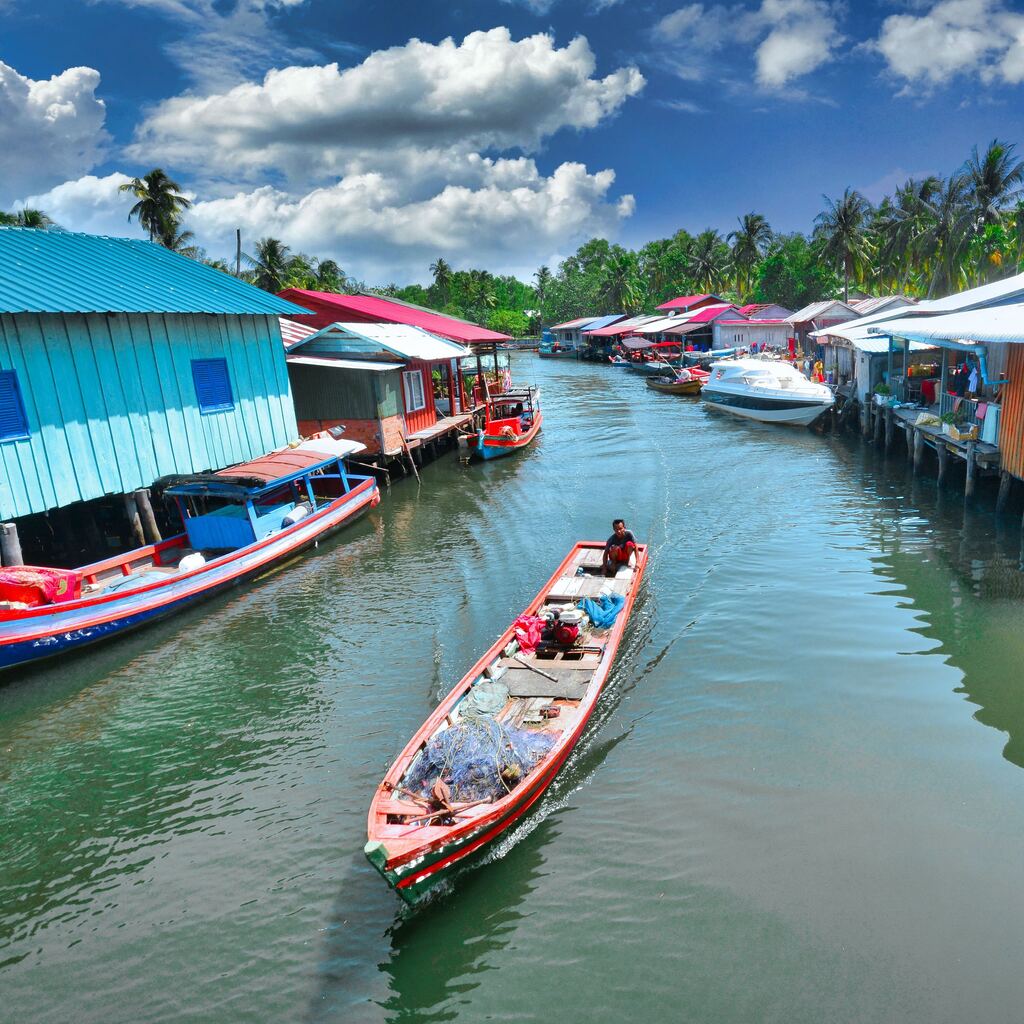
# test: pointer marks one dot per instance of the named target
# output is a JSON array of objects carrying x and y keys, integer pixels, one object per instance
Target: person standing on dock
[{"x": 620, "y": 548}]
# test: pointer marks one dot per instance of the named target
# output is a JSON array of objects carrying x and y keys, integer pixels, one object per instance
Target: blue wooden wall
[{"x": 111, "y": 402}]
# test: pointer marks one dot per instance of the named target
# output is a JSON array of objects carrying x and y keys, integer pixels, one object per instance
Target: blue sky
[{"x": 498, "y": 133}]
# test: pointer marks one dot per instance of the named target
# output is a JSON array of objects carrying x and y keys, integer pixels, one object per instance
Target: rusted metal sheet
[{"x": 1011, "y": 421}]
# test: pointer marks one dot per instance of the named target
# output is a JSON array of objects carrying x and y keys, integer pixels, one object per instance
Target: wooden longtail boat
[
  {"x": 239, "y": 523},
  {"x": 674, "y": 386},
  {"x": 413, "y": 844},
  {"x": 513, "y": 420}
]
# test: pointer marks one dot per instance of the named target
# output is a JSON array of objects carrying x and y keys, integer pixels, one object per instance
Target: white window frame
[{"x": 411, "y": 381}]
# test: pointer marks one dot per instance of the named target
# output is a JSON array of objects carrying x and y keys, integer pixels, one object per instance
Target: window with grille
[
  {"x": 213, "y": 385},
  {"x": 414, "y": 400},
  {"x": 13, "y": 421}
]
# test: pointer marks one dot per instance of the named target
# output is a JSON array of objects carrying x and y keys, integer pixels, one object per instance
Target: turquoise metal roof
[{"x": 56, "y": 271}]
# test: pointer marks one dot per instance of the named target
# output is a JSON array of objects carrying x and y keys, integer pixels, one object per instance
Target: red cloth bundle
[{"x": 34, "y": 586}]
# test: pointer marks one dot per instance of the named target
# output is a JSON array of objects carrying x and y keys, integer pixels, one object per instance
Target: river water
[{"x": 800, "y": 801}]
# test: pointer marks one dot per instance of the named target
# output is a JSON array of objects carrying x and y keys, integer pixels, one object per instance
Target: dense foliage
[{"x": 931, "y": 237}]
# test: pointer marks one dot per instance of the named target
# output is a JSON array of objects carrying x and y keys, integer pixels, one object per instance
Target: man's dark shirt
[{"x": 614, "y": 541}]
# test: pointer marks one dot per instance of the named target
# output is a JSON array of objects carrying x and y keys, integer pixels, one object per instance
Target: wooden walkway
[{"x": 443, "y": 426}]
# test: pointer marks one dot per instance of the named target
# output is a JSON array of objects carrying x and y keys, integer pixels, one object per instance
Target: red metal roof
[
  {"x": 327, "y": 307},
  {"x": 708, "y": 313},
  {"x": 613, "y": 331},
  {"x": 685, "y": 302},
  {"x": 752, "y": 307},
  {"x": 750, "y": 323},
  {"x": 293, "y": 332},
  {"x": 275, "y": 465}
]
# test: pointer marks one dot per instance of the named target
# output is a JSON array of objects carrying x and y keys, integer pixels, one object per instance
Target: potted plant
[
  {"x": 948, "y": 419},
  {"x": 882, "y": 393}
]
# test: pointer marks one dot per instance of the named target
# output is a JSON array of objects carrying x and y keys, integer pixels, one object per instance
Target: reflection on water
[{"x": 784, "y": 810}]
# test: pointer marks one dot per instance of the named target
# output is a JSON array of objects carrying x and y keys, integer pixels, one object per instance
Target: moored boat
[
  {"x": 495, "y": 743},
  {"x": 653, "y": 367},
  {"x": 556, "y": 350},
  {"x": 675, "y": 386},
  {"x": 513, "y": 420},
  {"x": 767, "y": 390},
  {"x": 618, "y": 361},
  {"x": 239, "y": 523}
]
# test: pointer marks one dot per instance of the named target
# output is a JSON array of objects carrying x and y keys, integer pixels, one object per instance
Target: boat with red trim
[
  {"x": 239, "y": 523},
  {"x": 513, "y": 420},
  {"x": 493, "y": 746}
]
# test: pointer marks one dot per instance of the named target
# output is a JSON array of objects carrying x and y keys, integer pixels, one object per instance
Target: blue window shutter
[
  {"x": 13, "y": 421},
  {"x": 213, "y": 386}
]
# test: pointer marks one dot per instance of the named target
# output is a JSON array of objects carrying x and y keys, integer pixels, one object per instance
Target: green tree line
[{"x": 932, "y": 236}]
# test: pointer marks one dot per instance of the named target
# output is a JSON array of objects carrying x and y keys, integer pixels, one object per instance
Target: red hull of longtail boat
[{"x": 413, "y": 858}]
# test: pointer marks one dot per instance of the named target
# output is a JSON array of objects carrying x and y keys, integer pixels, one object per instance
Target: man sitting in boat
[{"x": 620, "y": 548}]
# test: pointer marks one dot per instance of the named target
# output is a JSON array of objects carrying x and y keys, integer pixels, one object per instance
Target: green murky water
[{"x": 801, "y": 800}]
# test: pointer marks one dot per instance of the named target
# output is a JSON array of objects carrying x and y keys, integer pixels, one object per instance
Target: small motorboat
[
  {"x": 239, "y": 523},
  {"x": 676, "y": 385},
  {"x": 653, "y": 367},
  {"x": 618, "y": 361},
  {"x": 496, "y": 742},
  {"x": 513, "y": 420},
  {"x": 767, "y": 390},
  {"x": 556, "y": 350}
]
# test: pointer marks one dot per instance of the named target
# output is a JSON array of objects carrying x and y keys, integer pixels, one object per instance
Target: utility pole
[{"x": 238, "y": 252}]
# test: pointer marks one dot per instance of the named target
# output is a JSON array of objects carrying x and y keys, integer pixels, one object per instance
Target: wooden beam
[
  {"x": 943, "y": 455},
  {"x": 145, "y": 510},
  {"x": 972, "y": 469},
  {"x": 888, "y": 427},
  {"x": 136, "y": 537},
  {"x": 10, "y": 545},
  {"x": 1005, "y": 485},
  {"x": 918, "y": 449},
  {"x": 877, "y": 409}
]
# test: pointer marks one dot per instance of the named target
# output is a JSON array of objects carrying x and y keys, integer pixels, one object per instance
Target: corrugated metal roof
[
  {"x": 686, "y": 301},
  {"x": 66, "y": 272},
  {"x": 571, "y": 325},
  {"x": 624, "y": 326},
  {"x": 661, "y": 324},
  {"x": 987, "y": 294},
  {"x": 862, "y": 338},
  {"x": 603, "y": 321},
  {"x": 685, "y": 328},
  {"x": 332, "y": 363},
  {"x": 708, "y": 313},
  {"x": 815, "y": 309},
  {"x": 878, "y": 304},
  {"x": 384, "y": 310},
  {"x": 293, "y": 332},
  {"x": 994, "y": 325},
  {"x": 751, "y": 323},
  {"x": 404, "y": 340}
]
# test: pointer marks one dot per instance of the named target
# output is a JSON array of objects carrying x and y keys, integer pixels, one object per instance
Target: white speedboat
[{"x": 767, "y": 390}]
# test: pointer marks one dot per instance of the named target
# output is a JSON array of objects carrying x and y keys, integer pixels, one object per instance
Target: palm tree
[
  {"x": 543, "y": 279},
  {"x": 29, "y": 218},
  {"x": 329, "y": 276},
  {"x": 994, "y": 181},
  {"x": 182, "y": 242},
  {"x": 842, "y": 230},
  {"x": 481, "y": 289},
  {"x": 271, "y": 265},
  {"x": 619, "y": 288},
  {"x": 709, "y": 261},
  {"x": 749, "y": 245},
  {"x": 945, "y": 242},
  {"x": 442, "y": 272},
  {"x": 159, "y": 204}
]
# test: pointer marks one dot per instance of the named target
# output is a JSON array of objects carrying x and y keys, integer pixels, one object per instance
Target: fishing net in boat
[{"x": 479, "y": 758}]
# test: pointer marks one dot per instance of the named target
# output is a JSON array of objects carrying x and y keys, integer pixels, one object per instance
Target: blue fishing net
[{"x": 479, "y": 759}]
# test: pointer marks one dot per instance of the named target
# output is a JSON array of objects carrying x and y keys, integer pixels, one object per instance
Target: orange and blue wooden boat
[
  {"x": 239, "y": 523},
  {"x": 541, "y": 697},
  {"x": 513, "y": 420}
]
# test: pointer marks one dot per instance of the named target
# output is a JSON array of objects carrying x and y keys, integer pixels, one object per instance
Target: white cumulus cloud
[
  {"x": 50, "y": 129},
  {"x": 787, "y": 39},
  {"x": 420, "y": 101},
  {"x": 955, "y": 37},
  {"x": 509, "y": 221}
]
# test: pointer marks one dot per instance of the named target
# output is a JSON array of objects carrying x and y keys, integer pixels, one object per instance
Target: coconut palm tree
[
  {"x": 29, "y": 218},
  {"x": 619, "y": 288},
  {"x": 944, "y": 244},
  {"x": 329, "y": 276},
  {"x": 995, "y": 181},
  {"x": 442, "y": 272},
  {"x": 709, "y": 262},
  {"x": 182, "y": 242},
  {"x": 159, "y": 204},
  {"x": 842, "y": 231},
  {"x": 749, "y": 245},
  {"x": 271, "y": 265},
  {"x": 543, "y": 278}
]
